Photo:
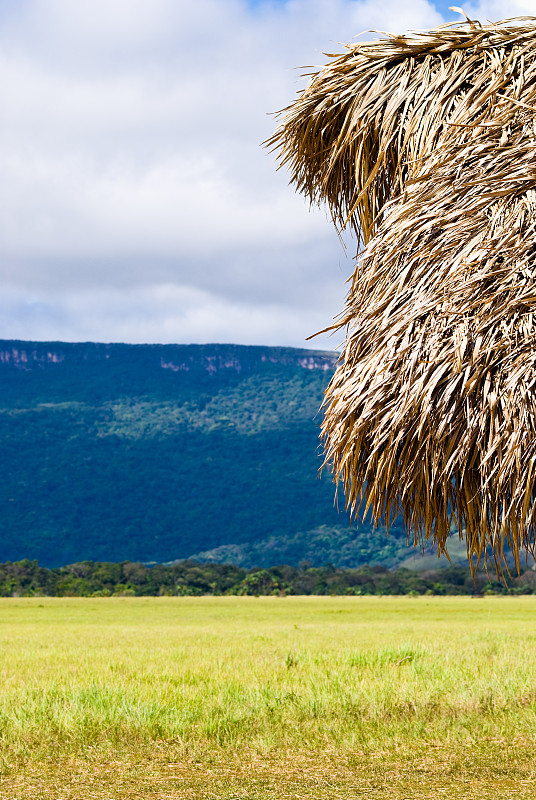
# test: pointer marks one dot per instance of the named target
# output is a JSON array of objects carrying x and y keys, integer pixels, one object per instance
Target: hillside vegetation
[{"x": 162, "y": 452}]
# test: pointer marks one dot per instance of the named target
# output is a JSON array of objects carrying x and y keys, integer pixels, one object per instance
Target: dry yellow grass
[{"x": 426, "y": 144}]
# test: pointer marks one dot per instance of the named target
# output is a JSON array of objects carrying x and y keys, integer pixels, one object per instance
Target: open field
[{"x": 265, "y": 698}]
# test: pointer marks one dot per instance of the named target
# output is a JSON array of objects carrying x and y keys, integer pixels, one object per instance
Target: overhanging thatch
[{"x": 426, "y": 144}]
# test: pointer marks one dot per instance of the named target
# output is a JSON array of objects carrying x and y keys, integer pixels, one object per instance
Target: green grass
[{"x": 256, "y": 698}]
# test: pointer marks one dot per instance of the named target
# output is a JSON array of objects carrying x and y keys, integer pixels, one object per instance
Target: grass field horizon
[{"x": 250, "y": 698}]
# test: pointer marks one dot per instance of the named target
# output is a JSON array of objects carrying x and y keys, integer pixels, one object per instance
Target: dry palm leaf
[{"x": 426, "y": 145}]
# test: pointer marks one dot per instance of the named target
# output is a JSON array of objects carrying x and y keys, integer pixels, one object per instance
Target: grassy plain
[{"x": 264, "y": 698}]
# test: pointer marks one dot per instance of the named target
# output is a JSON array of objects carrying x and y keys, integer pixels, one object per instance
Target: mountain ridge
[{"x": 212, "y": 357}]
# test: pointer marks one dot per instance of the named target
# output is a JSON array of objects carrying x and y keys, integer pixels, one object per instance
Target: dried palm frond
[{"x": 426, "y": 145}]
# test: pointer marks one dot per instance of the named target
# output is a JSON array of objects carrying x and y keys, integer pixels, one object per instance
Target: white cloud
[
  {"x": 136, "y": 201},
  {"x": 164, "y": 313}
]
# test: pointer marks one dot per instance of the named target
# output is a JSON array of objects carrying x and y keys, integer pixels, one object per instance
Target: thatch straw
[{"x": 426, "y": 144}]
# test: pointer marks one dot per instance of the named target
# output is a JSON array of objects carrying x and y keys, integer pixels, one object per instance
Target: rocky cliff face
[
  {"x": 236, "y": 358},
  {"x": 210, "y": 358},
  {"x": 28, "y": 358}
]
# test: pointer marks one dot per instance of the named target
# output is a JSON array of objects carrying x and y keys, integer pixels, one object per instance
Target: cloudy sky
[{"x": 136, "y": 203}]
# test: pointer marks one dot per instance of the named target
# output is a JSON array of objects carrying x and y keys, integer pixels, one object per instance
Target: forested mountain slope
[{"x": 157, "y": 452}]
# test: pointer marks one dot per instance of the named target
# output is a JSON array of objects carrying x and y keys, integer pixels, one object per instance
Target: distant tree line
[{"x": 189, "y": 578}]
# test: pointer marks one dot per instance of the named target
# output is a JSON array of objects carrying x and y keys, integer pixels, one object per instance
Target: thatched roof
[{"x": 426, "y": 144}]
